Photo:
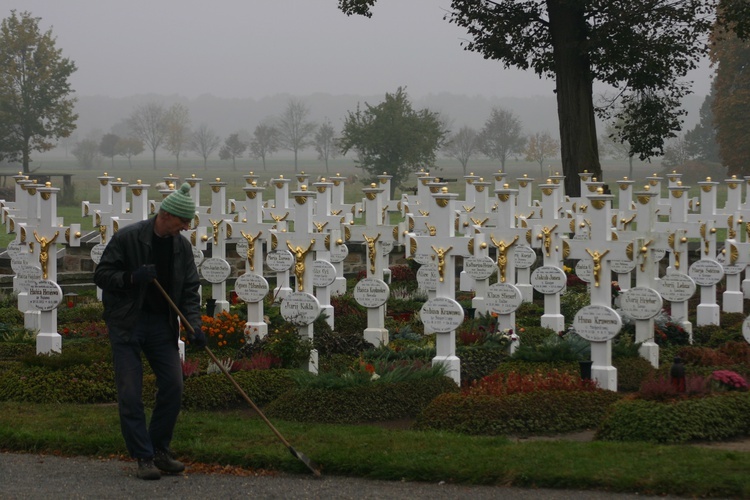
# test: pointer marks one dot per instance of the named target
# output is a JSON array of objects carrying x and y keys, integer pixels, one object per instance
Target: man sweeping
[{"x": 140, "y": 321}]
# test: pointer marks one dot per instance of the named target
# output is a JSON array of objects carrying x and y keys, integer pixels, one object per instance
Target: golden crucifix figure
[
  {"x": 215, "y": 224},
  {"x": 644, "y": 254},
  {"x": 431, "y": 229},
  {"x": 440, "y": 253},
  {"x": 251, "y": 247},
  {"x": 299, "y": 263},
  {"x": 626, "y": 222},
  {"x": 371, "y": 250},
  {"x": 103, "y": 232},
  {"x": 597, "y": 258},
  {"x": 479, "y": 222},
  {"x": 546, "y": 237},
  {"x": 44, "y": 244},
  {"x": 502, "y": 256},
  {"x": 320, "y": 226},
  {"x": 278, "y": 218}
]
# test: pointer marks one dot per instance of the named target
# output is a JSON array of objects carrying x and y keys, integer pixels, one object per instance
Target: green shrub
[
  {"x": 79, "y": 384},
  {"x": 282, "y": 342},
  {"x": 572, "y": 301},
  {"x": 216, "y": 392},
  {"x": 336, "y": 363},
  {"x": 631, "y": 372},
  {"x": 715, "y": 335},
  {"x": 479, "y": 361},
  {"x": 404, "y": 335},
  {"x": 11, "y": 334},
  {"x": 624, "y": 346},
  {"x": 11, "y": 316},
  {"x": 73, "y": 354},
  {"x": 378, "y": 372},
  {"x": 569, "y": 347},
  {"x": 732, "y": 321},
  {"x": 8, "y": 300},
  {"x": 718, "y": 417},
  {"x": 82, "y": 313},
  {"x": 533, "y": 413},
  {"x": 351, "y": 318},
  {"x": 364, "y": 403},
  {"x": 341, "y": 341},
  {"x": 528, "y": 314},
  {"x": 534, "y": 336},
  {"x": 410, "y": 352},
  {"x": 10, "y": 350}
]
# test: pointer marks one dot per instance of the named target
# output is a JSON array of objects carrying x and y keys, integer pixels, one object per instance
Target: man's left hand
[{"x": 198, "y": 338}]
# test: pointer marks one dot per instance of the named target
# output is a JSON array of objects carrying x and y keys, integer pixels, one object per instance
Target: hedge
[
  {"x": 535, "y": 413},
  {"x": 360, "y": 404},
  {"x": 713, "y": 418}
]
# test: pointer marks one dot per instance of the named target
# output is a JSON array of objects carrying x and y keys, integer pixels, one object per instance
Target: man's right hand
[{"x": 144, "y": 274}]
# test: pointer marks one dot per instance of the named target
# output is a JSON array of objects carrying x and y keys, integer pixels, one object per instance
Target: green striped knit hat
[{"x": 180, "y": 203}]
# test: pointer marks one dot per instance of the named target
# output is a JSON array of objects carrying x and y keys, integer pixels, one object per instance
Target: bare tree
[
  {"x": 676, "y": 153},
  {"x": 178, "y": 130},
  {"x": 501, "y": 137},
  {"x": 232, "y": 149},
  {"x": 325, "y": 142},
  {"x": 539, "y": 147},
  {"x": 68, "y": 142},
  {"x": 294, "y": 130},
  {"x": 148, "y": 123},
  {"x": 462, "y": 146},
  {"x": 204, "y": 141},
  {"x": 265, "y": 142}
]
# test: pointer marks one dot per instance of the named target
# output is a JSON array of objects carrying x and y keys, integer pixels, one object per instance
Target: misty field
[{"x": 87, "y": 187}]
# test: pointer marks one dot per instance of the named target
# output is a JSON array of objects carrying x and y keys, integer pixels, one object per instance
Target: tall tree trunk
[
  {"x": 26, "y": 156},
  {"x": 153, "y": 154},
  {"x": 575, "y": 103}
]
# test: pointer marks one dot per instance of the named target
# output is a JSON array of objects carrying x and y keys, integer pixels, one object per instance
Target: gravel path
[{"x": 26, "y": 476}]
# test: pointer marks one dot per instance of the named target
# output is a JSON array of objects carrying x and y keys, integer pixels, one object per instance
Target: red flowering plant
[
  {"x": 88, "y": 330},
  {"x": 389, "y": 371},
  {"x": 258, "y": 361},
  {"x": 727, "y": 380},
  {"x": 190, "y": 368},
  {"x": 499, "y": 384},
  {"x": 402, "y": 273}
]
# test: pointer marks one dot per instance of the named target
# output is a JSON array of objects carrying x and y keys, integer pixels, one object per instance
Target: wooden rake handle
[{"x": 299, "y": 455}]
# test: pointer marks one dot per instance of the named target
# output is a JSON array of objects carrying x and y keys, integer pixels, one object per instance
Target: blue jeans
[{"x": 153, "y": 337}]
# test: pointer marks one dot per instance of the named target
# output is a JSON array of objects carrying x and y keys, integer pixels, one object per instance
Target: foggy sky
[{"x": 260, "y": 48}]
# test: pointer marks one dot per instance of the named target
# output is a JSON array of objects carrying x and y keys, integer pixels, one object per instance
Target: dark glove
[
  {"x": 198, "y": 338},
  {"x": 144, "y": 274}
]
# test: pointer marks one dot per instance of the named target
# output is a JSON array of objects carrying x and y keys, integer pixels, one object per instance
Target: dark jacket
[{"x": 129, "y": 249}]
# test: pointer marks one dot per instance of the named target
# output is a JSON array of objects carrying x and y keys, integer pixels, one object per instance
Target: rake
[{"x": 297, "y": 454}]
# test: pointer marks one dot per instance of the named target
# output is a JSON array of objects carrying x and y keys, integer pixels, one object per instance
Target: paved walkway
[{"x": 27, "y": 476}]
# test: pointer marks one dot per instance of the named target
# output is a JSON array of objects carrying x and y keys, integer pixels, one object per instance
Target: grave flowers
[
  {"x": 727, "y": 380},
  {"x": 222, "y": 330}
]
